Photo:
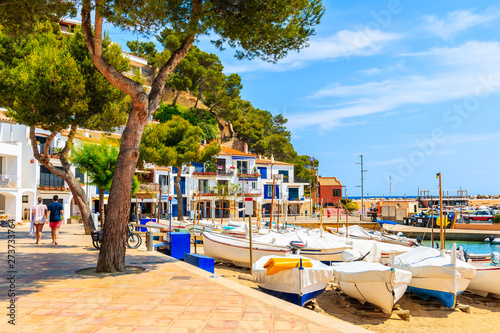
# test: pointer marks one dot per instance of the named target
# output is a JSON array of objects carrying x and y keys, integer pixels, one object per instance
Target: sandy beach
[{"x": 481, "y": 318}]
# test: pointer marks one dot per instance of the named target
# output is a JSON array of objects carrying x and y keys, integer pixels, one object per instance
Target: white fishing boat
[
  {"x": 370, "y": 282},
  {"x": 236, "y": 250},
  {"x": 487, "y": 279},
  {"x": 318, "y": 245},
  {"x": 294, "y": 278},
  {"x": 358, "y": 232},
  {"x": 436, "y": 274}
]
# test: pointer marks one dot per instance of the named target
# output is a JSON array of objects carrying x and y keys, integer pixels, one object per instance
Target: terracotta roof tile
[{"x": 329, "y": 181}]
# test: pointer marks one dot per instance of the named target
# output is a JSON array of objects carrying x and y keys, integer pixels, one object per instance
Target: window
[
  {"x": 293, "y": 193},
  {"x": 268, "y": 191},
  {"x": 285, "y": 175},
  {"x": 204, "y": 186},
  {"x": 79, "y": 174},
  {"x": 242, "y": 166},
  {"x": 254, "y": 185},
  {"x": 48, "y": 179},
  {"x": 221, "y": 166},
  {"x": 336, "y": 192}
]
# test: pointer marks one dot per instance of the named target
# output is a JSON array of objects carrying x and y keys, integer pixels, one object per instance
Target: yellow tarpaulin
[
  {"x": 275, "y": 265},
  {"x": 445, "y": 219}
]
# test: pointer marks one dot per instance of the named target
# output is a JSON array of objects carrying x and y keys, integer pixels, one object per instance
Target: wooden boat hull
[
  {"x": 486, "y": 281},
  {"x": 445, "y": 290},
  {"x": 376, "y": 293},
  {"x": 293, "y": 284}
]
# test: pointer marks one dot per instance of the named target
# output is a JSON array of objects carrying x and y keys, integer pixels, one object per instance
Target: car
[{"x": 479, "y": 215}]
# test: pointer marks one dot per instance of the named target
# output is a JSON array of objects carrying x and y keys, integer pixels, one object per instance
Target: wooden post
[
  {"x": 338, "y": 216},
  {"x": 441, "y": 224},
  {"x": 251, "y": 245},
  {"x": 432, "y": 223},
  {"x": 199, "y": 202},
  {"x": 346, "y": 216},
  {"x": 272, "y": 203},
  {"x": 321, "y": 215}
]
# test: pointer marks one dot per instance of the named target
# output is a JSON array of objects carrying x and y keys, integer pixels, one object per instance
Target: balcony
[
  {"x": 198, "y": 173},
  {"x": 249, "y": 175},
  {"x": 149, "y": 187},
  {"x": 224, "y": 173},
  {"x": 8, "y": 181}
]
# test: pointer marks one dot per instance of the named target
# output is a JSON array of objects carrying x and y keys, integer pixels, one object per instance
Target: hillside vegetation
[{"x": 201, "y": 93}]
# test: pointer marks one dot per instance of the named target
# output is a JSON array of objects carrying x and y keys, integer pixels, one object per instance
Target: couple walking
[{"x": 42, "y": 214}]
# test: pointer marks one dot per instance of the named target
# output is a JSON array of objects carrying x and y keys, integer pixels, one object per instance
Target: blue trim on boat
[
  {"x": 294, "y": 298},
  {"x": 445, "y": 298}
]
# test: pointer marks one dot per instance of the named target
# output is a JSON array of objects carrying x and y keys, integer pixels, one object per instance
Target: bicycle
[{"x": 133, "y": 240}]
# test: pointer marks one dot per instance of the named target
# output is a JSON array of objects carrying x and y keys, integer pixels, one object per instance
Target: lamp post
[{"x": 362, "y": 190}]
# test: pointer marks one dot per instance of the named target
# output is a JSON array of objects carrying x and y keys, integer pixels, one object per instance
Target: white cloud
[
  {"x": 464, "y": 69},
  {"x": 344, "y": 44},
  {"x": 456, "y": 21}
]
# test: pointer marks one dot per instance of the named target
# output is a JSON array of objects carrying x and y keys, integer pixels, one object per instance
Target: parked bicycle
[{"x": 133, "y": 241}]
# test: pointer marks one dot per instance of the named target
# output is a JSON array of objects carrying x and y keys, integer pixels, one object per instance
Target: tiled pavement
[{"x": 169, "y": 296}]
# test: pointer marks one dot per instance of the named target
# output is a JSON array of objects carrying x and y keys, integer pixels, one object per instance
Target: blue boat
[{"x": 436, "y": 274}]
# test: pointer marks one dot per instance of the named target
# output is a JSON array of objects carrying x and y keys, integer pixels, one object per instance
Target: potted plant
[
  {"x": 255, "y": 170},
  {"x": 75, "y": 219}
]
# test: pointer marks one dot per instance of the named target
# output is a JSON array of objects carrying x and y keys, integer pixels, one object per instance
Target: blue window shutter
[
  {"x": 263, "y": 172},
  {"x": 277, "y": 192}
]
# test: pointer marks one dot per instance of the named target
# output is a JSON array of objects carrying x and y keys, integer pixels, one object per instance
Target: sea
[
  {"x": 470, "y": 247},
  {"x": 354, "y": 197}
]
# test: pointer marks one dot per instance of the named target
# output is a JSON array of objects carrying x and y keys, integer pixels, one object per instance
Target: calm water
[{"x": 471, "y": 247}]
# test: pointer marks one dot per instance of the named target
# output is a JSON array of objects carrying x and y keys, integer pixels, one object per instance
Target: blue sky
[{"x": 414, "y": 86}]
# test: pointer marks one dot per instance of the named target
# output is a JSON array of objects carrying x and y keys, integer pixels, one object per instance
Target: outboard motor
[
  {"x": 419, "y": 240},
  {"x": 495, "y": 258},
  {"x": 491, "y": 238},
  {"x": 296, "y": 246}
]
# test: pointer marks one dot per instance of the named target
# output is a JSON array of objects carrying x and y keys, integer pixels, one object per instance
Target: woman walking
[{"x": 40, "y": 217}]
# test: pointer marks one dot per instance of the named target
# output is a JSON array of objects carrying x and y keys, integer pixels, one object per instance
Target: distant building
[{"x": 329, "y": 191}]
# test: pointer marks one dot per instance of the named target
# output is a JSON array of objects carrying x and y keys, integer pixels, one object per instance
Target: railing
[
  {"x": 149, "y": 187},
  {"x": 224, "y": 173},
  {"x": 249, "y": 175},
  {"x": 205, "y": 173},
  {"x": 8, "y": 181},
  {"x": 300, "y": 198}
]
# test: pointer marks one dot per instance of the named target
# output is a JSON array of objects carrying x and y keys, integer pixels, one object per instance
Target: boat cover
[
  {"x": 311, "y": 239},
  {"x": 275, "y": 265},
  {"x": 318, "y": 273},
  {"x": 357, "y": 272},
  {"x": 426, "y": 262}
]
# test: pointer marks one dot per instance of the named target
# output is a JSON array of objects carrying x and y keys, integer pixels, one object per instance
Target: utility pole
[{"x": 362, "y": 189}]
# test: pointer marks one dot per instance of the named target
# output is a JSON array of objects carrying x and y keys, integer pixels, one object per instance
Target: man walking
[{"x": 56, "y": 210}]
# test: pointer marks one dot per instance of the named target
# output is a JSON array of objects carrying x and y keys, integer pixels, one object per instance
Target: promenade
[{"x": 169, "y": 296}]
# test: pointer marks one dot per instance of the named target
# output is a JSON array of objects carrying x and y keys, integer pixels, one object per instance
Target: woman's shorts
[
  {"x": 55, "y": 224},
  {"x": 39, "y": 222}
]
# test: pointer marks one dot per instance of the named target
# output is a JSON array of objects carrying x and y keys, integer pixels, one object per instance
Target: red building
[{"x": 329, "y": 191}]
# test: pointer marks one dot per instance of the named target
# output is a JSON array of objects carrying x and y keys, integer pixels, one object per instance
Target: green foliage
[
  {"x": 18, "y": 17},
  {"x": 496, "y": 218},
  {"x": 98, "y": 159},
  {"x": 196, "y": 117},
  {"x": 349, "y": 204},
  {"x": 175, "y": 142},
  {"x": 49, "y": 80}
]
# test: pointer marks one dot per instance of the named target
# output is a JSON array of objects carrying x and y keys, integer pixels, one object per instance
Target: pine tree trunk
[
  {"x": 112, "y": 254},
  {"x": 178, "y": 92},
  {"x": 180, "y": 204},
  {"x": 65, "y": 173}
]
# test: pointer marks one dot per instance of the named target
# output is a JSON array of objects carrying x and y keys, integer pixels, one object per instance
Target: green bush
[{"x": 496, "y": 218}]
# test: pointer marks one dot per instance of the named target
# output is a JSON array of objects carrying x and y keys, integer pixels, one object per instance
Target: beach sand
[{"x": 481, "y": 318}]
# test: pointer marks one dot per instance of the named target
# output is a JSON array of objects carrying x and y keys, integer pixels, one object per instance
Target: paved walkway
[{"x": 169, "y": 296}]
